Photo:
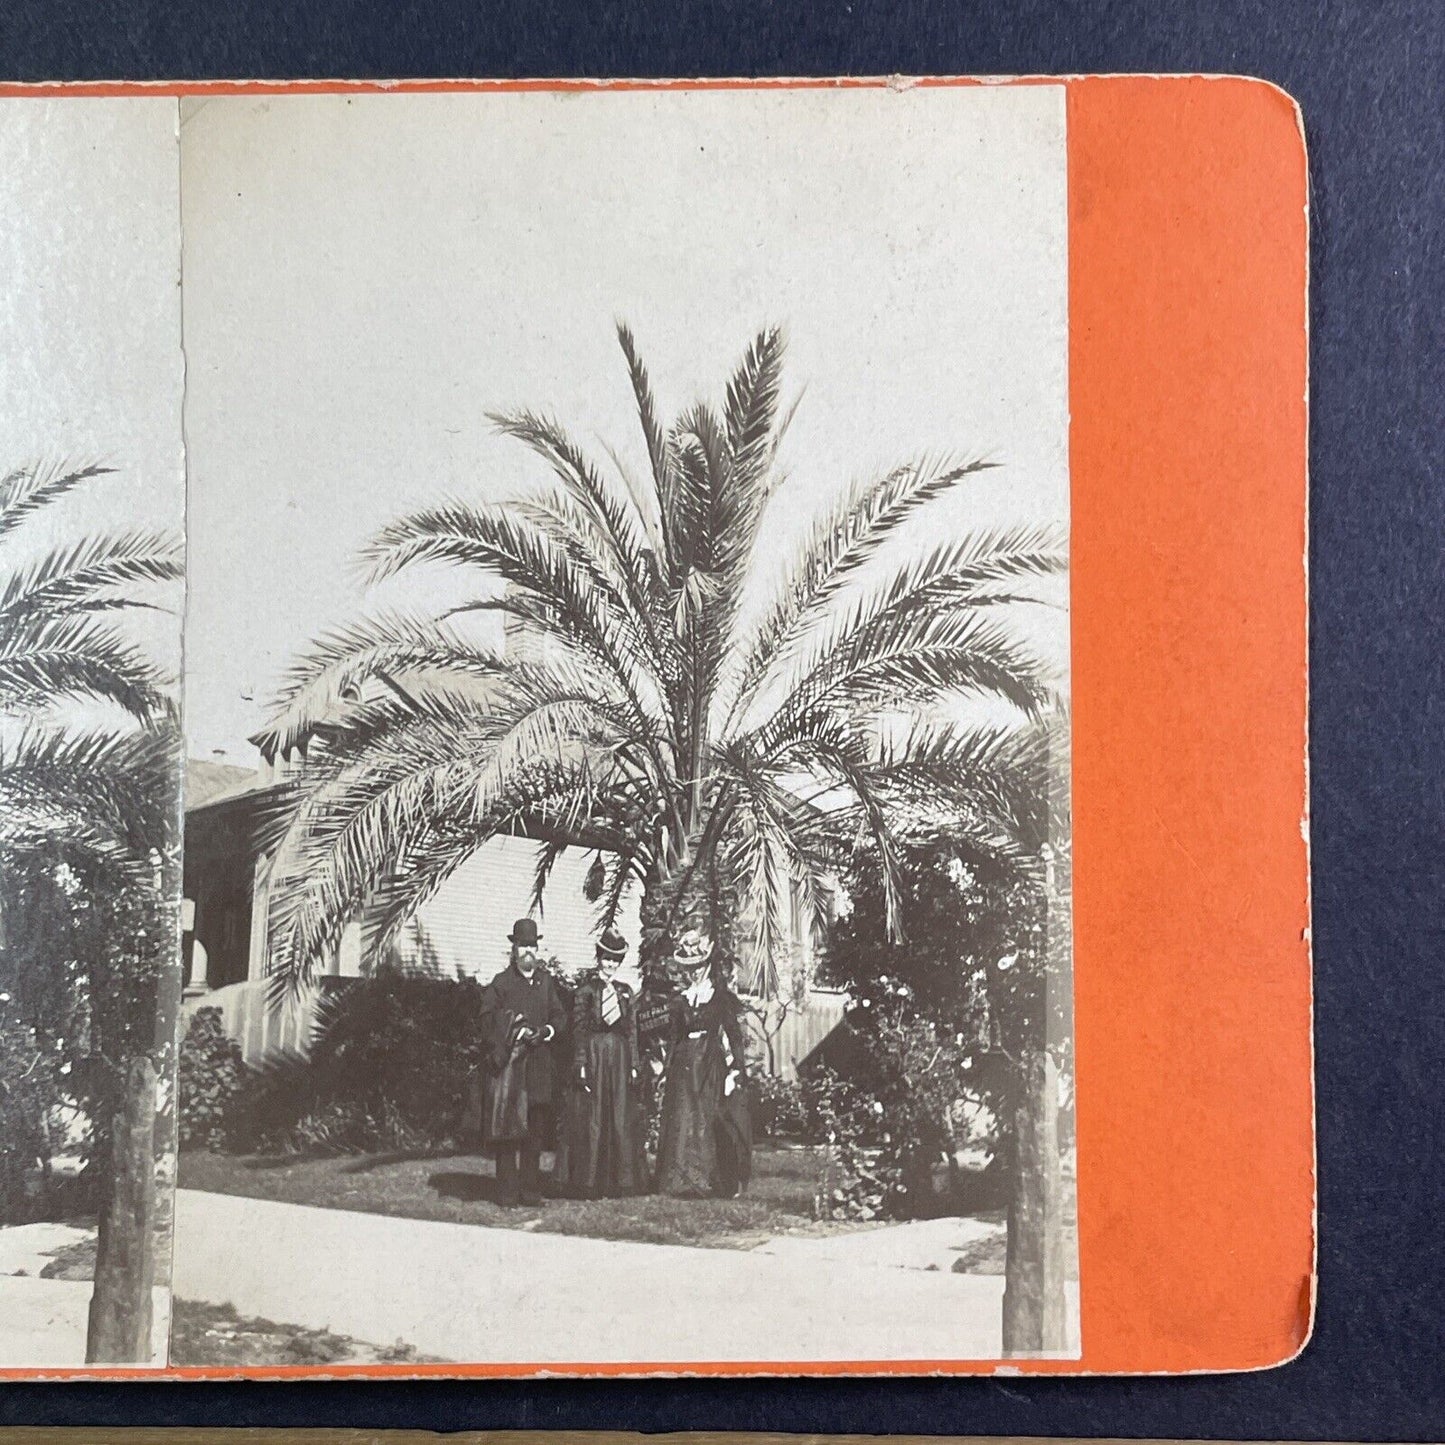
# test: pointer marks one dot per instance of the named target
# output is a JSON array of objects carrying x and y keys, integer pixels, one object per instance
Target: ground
[
  {"x": 204, "y": 1334},
  {"x": 201, "y": 1333},
  {"x": 459, "y": 1189},
  {"x": 568, "y": 1277},
  {"x": 525, "y": 1297},
  {"x": 459, "y": 1278}
]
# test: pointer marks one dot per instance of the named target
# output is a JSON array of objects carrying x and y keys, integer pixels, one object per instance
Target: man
[{"x": 522, "y": 1014}]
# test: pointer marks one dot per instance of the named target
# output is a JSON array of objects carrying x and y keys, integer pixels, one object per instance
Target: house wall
[{"x": 468, "y": 921}]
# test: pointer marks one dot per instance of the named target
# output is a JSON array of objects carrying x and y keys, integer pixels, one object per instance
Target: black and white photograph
[
  {"x": 626, "y": 893},
  {"x": 91, "y": 595}
]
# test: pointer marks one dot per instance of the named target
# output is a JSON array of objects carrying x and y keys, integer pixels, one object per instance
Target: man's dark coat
[{"x": 537, "y": 1002}]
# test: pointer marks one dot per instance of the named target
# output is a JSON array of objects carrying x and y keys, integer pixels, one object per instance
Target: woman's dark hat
[
  {"x": 692, "y": 949},
  {"x": 524, "y": 933},
  {"x": 612, "y": 945}
]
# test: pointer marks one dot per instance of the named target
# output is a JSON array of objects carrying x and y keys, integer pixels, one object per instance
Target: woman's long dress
[
  {"x": 705, "y": 1140},
  {"x": 604, "y": 1155}
]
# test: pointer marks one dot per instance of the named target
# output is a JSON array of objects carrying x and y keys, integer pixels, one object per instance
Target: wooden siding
[{"x": 467, "y": 923}]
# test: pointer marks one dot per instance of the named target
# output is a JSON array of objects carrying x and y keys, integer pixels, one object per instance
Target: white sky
[
  {"x": 367, "y": 276},
  {"x": 90, "y": 320}
]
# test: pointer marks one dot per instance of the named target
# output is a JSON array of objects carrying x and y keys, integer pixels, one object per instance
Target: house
[{"x": 461, "y": 932}]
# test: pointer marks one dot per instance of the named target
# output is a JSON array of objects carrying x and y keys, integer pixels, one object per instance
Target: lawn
[
  {"x": 204, "y": 1334},
  {"x": 459, "y": 1188}
]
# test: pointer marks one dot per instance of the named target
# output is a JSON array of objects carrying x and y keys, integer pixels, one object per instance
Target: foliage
[
  {"x": 723, "y": 757},
  {"x": 211, "y": 1079},
  {"x": 88, "y": 827},
  {"x": 779, "y": 1109},
  {"x": 923, "y": 1067},
  {"x": 104, "y": 790},
  {"x": 32, "y": 1082},
  {"x": 389, "y": 1069},
  {"x": 86, "y": 952},
  {"x": 856, "y": 1183}
]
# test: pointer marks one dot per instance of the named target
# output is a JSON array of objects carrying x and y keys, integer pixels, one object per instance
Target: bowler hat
[
  {"x": 612, "y": 945},
  {"x": 524, "y": 933}
]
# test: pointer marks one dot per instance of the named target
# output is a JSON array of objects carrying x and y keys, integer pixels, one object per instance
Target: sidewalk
[
  {"x": 932, "y": 1244},
  {"x": 28, "y": 1248},
  {"x": 501, "y": 1296},
  {"x": 43, "y": 1323}
]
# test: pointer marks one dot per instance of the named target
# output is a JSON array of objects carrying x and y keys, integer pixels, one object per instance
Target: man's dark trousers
[
  {"x": 536, "y": 1002},
  {"x": 519, "y": 1165}
]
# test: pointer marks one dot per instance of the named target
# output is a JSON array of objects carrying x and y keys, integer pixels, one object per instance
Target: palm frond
[
  {"x": 646, "y": 499},
  {"x": 91, "y": 576},
  {"x": 45, "y": 659},
  {"x": 652, "y": 429},
  {"x": 614, "y": 514},
  {"x": 847, "y": 538},
  {"x": 729, "y": 463},
  {"x": 620, "y": 870},
  {"x": 910, "y": 658},
  {"x": 569, "y": 598},
  {"x": 414, "y": 805},
  {"x": 750, "y": 418},
  {"x": 119, "y": 790},
  {"x": 25, "y": 490},
  {"x": 763, "y": 853},
  {"x": 549, "y": 850},
  {"x": 992, "y": 785},
  {"x": 823, "y": 743},
  {"x": 947, "y": 579},
  {"x": 329, "y": 678}
]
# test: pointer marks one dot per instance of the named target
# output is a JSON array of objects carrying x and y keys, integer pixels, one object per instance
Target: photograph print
[
  {"x": 627, "y": 869},
  {"x": 92, "y": 501}
]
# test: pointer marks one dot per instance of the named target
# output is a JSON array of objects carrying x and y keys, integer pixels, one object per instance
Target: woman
[
  {"x": 705, "y": 1142},
  {"x": 604, "y": 1156}
]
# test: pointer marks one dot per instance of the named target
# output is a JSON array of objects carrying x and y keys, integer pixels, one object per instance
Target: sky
[
  {"x": 366, "y": 277},
  {"x": 91, "y": 367}
]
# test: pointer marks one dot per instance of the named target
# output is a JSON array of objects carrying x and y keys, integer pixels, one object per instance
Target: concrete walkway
[
  {"x": 501, "y": 1296},
  {"x": 919, "y": 1244},
  {"x": 28, "y": 1248},
  {"x": 43, "y": 1323}
]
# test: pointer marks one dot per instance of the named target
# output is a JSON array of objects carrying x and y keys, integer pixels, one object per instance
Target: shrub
[
  {"x": 28, "y": 1085},
  {"x": 934, "y": 1020},
  {"x": 389, "y": 1069},
  {"x": 779, "y": 1110},
  {"x": 210, "y": 1084},
  {"x": 856, "y": 1182},
  {"x": 895, "y": 1101}
]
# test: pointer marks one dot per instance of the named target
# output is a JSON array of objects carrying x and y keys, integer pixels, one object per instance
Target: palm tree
[
  {"x": 89, "y": 769},
  {"x": 716, "y": 754},
  {"x": 720, "y": 753}
]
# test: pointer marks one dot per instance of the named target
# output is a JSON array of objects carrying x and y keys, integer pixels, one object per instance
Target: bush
[
  {"x": 896, "y": 1100},
  {"x": 920, "y": 1072},
  {"x": 779, "y": 1110},
  {"x": 389, "y": 1069},
  {"x": 857, "y": 1183},
  {"x": 210, "y": 1084},
  {"x": 28, "y": 1087}
]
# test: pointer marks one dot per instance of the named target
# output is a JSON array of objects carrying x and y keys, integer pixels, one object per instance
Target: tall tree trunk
[
  {"x": 1034, "y": 1315},
  {"x": 119, "y": 1329}
]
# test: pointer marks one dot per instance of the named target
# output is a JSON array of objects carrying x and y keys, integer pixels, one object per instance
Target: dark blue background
[{"x": 1371, "y": 80}]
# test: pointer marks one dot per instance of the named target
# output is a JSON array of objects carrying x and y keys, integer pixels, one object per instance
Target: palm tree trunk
[
  {"x": 1033, "y": 1301},
  {"x": 119, "y": 1330}
]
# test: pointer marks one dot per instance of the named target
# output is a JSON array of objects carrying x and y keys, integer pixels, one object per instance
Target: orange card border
[{"x": 1187, "y": 242}]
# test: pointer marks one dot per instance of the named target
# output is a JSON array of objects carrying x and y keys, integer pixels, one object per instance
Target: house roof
[{"x": 208, "y": 783}]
